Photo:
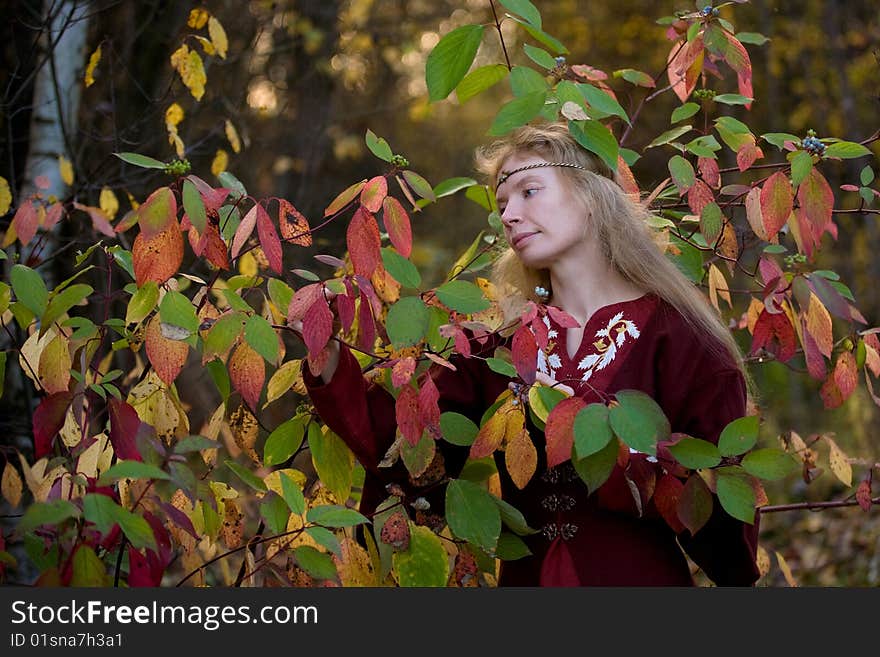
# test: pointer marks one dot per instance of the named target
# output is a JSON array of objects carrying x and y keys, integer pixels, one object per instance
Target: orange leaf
[
  {"x": 398, "y": 226},
  {"x": 666, "y": 495},
  {"x": 25, "y": 222},
  {"x": 819, "y": 325},
  {"x": 559, "y": 430},
  {"x": 364, "y": 243},
  {"x": 521, "y": 458},
  {"x": 166, "y": 356},
  {"x": 374, "y": 193},
  {"x": 297, "y": 230},
  {"x": 685, "y": 63},
  {"x": 157, "y": 258},
  {"x": 492, "y": 433},
  {"x": 626, "y": 179},
  {"x": 213, "y": 246},
  {"x": 776, "y": 203},
  {"x": 247, "y": 372},
  {"x": 747, "y": 154},
  {"x": 846, "y": 374},
  {"x": 344, "y": 198},
  {"x": 244, "y": 230},
  {"x": 269, "y": 240},
  {"x": 158, "y": 212},
  {"x": 830, "y": 393},
  {"x": 406, "y": 410}
]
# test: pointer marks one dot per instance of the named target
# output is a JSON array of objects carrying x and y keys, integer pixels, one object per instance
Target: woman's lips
[{"x": 519, "y": 239}]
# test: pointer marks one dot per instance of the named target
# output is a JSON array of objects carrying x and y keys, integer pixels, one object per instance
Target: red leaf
[
  {"x": 166, "y": 356},
  {"x": 366, "y": 324},
  {"x": 694, "y": 504},
  {"x": 831, "y": 395},
  {"x": 814, "y": 359},
  {"x": 374, "y": 193},
  {"x": 709, "y": 171},
  {"x": 157, "y": 213},
  {"x": 244, "y": 230},
  {"x": 846, "y": 374},
  {"x": 48, "y": 420},
  {"x": 863, "y": 495},
  {"x": 542, "y": 333},
  {"x": 296, "y": 231},
  {"x": 454, "y": 331},
  {"x": 559, "y": 430},
  {"x": 774, "y": 333},
  {"x": 685, "y": 63},
  {"x": 699, "y": 196},
  {"x": 53, "y": 215},
  {"x": 180, "y": 519},
  {"x": 429, "y": 408},
  {"x": 562, "y": 318},
  {"x": 25, "y": 222},
  {"x": 364, "y": 243},
  {"x": 101, "y": 222},
  {"x": 303, "y": 299},
  {"x": 407, "y": 414},
  {"x": 402, "y": 371},
  {"x": 212, "y": 198},
  {"x": 317, "y": 325},
  {"x": 144, "y": 570},
  {"x": 214, "y": 248},
  {"x": 747, "y": 154},
  {"x": 816, "y": 200},
  {"x": 738, "y": 58},
  {"x": 247, "y": 372},
  {"x": 163, "y": 540},
  {"x": 776, "y": 203},
  {"x": 397, "y": 224},
  {"x": 269, "y": 241},
  {"x": 345, "y": 307},
  {"x": 124, "y": 425},
  {"x": 157, "y": 258},
  {"x": 666, "y": 496},
  {"x": 525, "y": 354}
]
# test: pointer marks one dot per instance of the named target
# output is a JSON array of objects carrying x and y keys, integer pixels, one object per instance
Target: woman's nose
[{"x": 509, "y": 216}]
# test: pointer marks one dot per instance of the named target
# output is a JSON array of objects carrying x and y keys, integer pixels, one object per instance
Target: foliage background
[{"x": 304, "y": 80}]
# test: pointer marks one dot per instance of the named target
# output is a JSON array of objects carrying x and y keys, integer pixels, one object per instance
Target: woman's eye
[{"x": 528, "y": 192}]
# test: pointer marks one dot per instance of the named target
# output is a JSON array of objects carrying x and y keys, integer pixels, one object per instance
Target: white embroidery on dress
[
  {"x": 548, "y": 364},
  {"x": 608, "y": 351}
]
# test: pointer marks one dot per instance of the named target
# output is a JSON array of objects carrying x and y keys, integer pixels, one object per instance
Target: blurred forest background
[{"x": 304, "y": 80}]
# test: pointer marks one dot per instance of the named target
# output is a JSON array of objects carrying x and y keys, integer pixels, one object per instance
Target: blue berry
[{"x": 707, "y": 10}]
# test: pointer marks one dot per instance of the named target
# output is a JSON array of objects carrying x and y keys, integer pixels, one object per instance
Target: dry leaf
[
  {"x": 11, "y": 485},
  {"x": 245, "y": 430},
  {"x": 786, "y": 571}
]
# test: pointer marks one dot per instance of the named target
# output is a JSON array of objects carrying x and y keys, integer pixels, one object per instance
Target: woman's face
[{"x": 543, "y": 221}]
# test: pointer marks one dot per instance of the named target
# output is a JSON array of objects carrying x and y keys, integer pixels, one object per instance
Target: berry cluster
[
  {"x": 812, "y": 145},
  {"x": 399, "y": 161},
  {"x": 178, "y": 168},
  {"x": 709, "y": 10},
  {"x": 704, "y": 94}
]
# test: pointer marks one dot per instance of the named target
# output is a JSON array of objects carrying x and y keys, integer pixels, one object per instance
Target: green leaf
[
  {"x": 195, "y": 443},
  {"x": 602, "y": 101},
  {"x": 177, "y": 310},
  {"x": 501, "y": 366},
  {"x": 224, "y": 332},
  {"x": 421, "y": 186},
  {"x": 132, "y": 470},
  {"x": 325, "y": 538},
  {"x": 704, "y": 146},
  {"x": 739, "y": 436},
  {"x": 517, "y": 112},
  {"x": 670, "y": 135},
  {"x": 334, "y": 515},
  {"x": 452, "y": 185},
  {"x": 402, "y": 270},
  {"x": 47, "y": 513},
  {"x": 140, "y": 160},
  {"x": 778, "y": 139},
  {"x": 123, "y": 258},
  {"x": 596, "y": 138},
  {"x": 280, "y": 293},
  {"x": 846, "y": 150},
  {"x": 638, "y": 421},
  {"x": 711, "y": 222},
  {"x": 694, "y": 453},
  {"x": 732, "y": 99},
  {"x": 407, "y": 321},
  {"x": 275, "y": 512},
  {"x": 686, "y": 111},
  {"x": 462, "y": 296},
  {"x": 220, "y": 376},
  {"x": 194, "y": 206},
  {"x": 142, "y": 302},
  {"x": 450, "y": 60},
  {"x": 424, "y": 562},
  {"x": 29, "y": 288},
  {"x": 478, "y": 80},
  {"x": 866, "y": 175},
  {"x": 736, "y": 494},
  {"x": 458, "y": 429},
  {"x": 104, "y": 512},
  {"x": 472, "y": 514},
  {"x": 524, "y": 9},
  {"x": 378, "y": 146},
  {"x": 332, "y": 459},
  {"x": 511, "y": 547},
  {"x": 478, "y": 470},
  {"x": 64, "y": 301},
  {"x": 775, "y": 249},
  {"x": 283, "y": 442},
  {"x": 228, "y": 180},
  {"x": 769, "y": 464},
  {"x": 633, "y": 76},
  {"x": 801, "y": 165},
  {"x": 247, "y": 476},
  {"x": 513, "y": 519},
  {"x": 629, "y": 156},
  {"x": 525, "y": 80},
  {"x": 595, "y": 469},
  {"x": 682, "y": 173},
  {"x": 292, "y": 494},
  {"x": 317, "y": 564},
  {"x": 540, "y": 56},
  {"x": 554, "y": 44},
  {"x": 260, "y": 335},
  {"x": 754, "y": 38},
  {"x": 88, "y": 569},
  {"x": 592, "y": 430}
]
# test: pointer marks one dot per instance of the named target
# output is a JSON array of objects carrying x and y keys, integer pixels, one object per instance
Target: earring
[{"x": 542, "y": 294}]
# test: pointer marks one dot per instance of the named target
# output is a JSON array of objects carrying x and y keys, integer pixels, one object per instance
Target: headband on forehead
[{"x": 507, "y": 174}]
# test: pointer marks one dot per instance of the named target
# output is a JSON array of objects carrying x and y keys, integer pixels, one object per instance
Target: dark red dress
[{"x": 584, "y": 540}]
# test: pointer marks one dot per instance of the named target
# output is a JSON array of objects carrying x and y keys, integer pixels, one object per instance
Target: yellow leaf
[
  {"x": 173, "y": 115},
  {"x": 839, "y": 462},
  {"x": 718, "y": 287},
  {"x": 55, "y": 362},
  {"x": 488, "y": 288},
  {"x": 232, "y": 527},
  {"x": 218, "y": 36},
  {"x": 66, "y": 169},
  {"x": 752, "y": 314},
  {"x": 221, "y": 161},
  {"x": 283, "y": 380},
  {"x": 354, "y": 565},
  {"x": 763, "y": 561},
  {"x": 232, "y": 136},
  {"x": 207, "y": 46},
  {"x": 247, "y": 265},
  {"x": 109, "y": 203},
  {"x": 96, "y": 459},
  {"x": 273, "y": 479},
  {"x": 71, "y": 433},
  {"x": 197, "y": 18},
  {"x": 11, "y": 485},
  {"x": 177, "y": 142},
  {"x": 786, "y": 571},
  {"x": 245, "y": 429},
  {"x": 132, "y": 201},
  {"x": 819, "y": 325},
  {"x": 521, "y": 458},
  {"x": 90, "y": 69},
  {"x": 5, "y": 196},
  {"x": 189, "y": 65},
  {"x": 29, "y": 355}
]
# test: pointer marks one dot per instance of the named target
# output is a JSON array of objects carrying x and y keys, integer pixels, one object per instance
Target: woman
[{"x": 580, "y": 243}]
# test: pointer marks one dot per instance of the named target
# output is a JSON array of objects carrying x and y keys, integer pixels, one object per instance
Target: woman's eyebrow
[{"x": 520, "y": 181}]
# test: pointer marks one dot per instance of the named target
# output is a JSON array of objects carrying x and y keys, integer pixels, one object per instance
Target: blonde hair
[{"x": 620, "y": 223}]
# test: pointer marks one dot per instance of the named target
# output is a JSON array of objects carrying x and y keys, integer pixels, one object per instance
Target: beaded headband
[{"x": 507, "y": 174}]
